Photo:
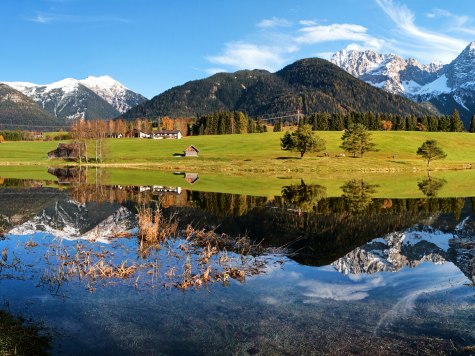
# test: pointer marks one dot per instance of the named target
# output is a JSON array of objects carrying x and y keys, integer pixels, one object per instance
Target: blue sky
[{"x": 152, "y": 45}]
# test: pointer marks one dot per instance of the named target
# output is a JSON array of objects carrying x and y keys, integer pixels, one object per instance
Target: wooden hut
[
  {"x": 191, "y": 177},
  {"x": 191, "y": 151},
  {"x": 68, "y": 151}
]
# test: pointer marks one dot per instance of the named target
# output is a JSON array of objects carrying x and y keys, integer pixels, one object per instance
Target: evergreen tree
[
  {"x": 241, "y": 122},
  {"x": 433, "y": 124},
  {"x": 322, "y": 122},
  {"x": 357, "y": 140},
  {"x": 456, "y": 125},
  {"x": 337, "y": 122},
  {"x": 278, "y": 126},
  {"x": 444, "y": 124},
  {"x": 472, "y": 124}
]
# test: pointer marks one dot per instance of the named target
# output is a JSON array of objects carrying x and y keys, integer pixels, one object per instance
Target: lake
[{"x": 310, "y": 270}]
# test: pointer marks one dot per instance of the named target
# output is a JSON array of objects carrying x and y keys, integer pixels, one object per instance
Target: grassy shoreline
[{"x": 389, "y": 185}]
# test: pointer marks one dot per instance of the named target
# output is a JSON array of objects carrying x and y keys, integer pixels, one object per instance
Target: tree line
[
  {"x": 323, "y": 121},
  {"x": 227, "y": 122}
]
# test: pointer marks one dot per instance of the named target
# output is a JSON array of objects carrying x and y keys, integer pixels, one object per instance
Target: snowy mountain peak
[
  {"x": 92, "y": 97},
  {"x": 68, "y": 85},
  {"x": 357, "y": 62},
  {"x": 104, "y": 82},
  {"x": 446, "y": 87}
]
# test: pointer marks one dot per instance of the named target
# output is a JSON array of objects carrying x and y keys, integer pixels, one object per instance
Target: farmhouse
[
  {"x": 175, "y": 134},
  {"x": 191, "y": 151},
  {"x": 68, "y": 151},
  {"x": 139, "y": 134}
]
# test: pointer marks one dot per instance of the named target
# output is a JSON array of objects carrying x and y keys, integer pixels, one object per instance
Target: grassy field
[{"x": 261, "y": 153}]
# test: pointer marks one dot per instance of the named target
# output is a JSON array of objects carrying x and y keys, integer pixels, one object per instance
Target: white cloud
[
  {"x": 344, "y": 291},
  {"x": 338, "y": 32},
  {"x": 432, "y": 42},
  {"x": 324, "y": 55},
  {"x": 457, "y": 20},
  {"x": 307, "y": 23},
  {"x": 274, "y": 22},
  {"x": 41, "y": 19},
  {"x": 46, "y": 18},
  {"x": 242, "y": 55}
]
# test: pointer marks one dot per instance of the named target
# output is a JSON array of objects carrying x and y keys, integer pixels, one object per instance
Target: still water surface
[{"x": 338, "y": 275}]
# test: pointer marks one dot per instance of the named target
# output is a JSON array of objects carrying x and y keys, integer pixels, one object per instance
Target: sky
[{"x": 153, "y": 45}]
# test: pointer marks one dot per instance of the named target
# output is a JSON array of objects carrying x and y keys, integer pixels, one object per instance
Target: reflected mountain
[
  {"x": 356, "y": 233},
  {"x": 412, "y": 247}
]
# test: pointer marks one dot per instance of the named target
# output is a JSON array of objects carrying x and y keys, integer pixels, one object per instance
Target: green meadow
[{"x": 261, "y": 154}]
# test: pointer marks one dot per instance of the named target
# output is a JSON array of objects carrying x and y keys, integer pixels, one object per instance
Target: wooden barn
[
  {"x": 191, "y": 151},
  {"x": 191, "y": 177},
  {"x": 68, "y": 151}
]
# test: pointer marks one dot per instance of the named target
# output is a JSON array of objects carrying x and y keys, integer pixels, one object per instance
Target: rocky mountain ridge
[
  {"x": 447, "y": 87},
  {"x": 90, "y": 98}
]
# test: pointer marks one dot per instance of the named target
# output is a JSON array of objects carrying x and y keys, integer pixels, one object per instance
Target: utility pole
[{"x": 298, "y": 117}]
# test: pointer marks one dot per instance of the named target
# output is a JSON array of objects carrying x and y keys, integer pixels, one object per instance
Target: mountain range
[
  {"x": 447, "y": 87},
  {"x": 311, "y": 85},
  {"x": 90, "y": 98},
  {"x": 351, "y": 81},
  {"x": 19, "y": 111}
]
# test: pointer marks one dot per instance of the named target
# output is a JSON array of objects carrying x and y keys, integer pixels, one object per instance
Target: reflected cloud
[{"x": 340, "y": 292}]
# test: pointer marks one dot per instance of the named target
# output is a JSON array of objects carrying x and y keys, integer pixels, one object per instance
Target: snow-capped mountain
[
  {"x": 93, "y": 97},
  {"x": 70, "y": 220},
  {"x": 447, "y": 87},
  {"x": 115, "y": 93},
  {"x": 388, "y": 71},
  {"x": 412, "y": 247},
  {"x": 18, "y": 109}
]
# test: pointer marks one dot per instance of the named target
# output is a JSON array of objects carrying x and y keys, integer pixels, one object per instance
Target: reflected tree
[
  {"x": 303, "y": 196},
  {"x": 358, "y": 195},
  {"x": 430, "y": 186}
]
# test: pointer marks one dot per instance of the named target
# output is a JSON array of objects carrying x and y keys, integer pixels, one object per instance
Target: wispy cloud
[
  {"x": 283, "y": 40},
  {"x": 280, "y": 47},
  {"x": 49, "y": 18},
  {"x": 242, "y": 55},
  {"x": 307, "y": 23},
  {"x": 457, "y": 20},
  {"x": 338, "y": 32},
  {"x": 41, "y": 19},
  {"x": 274, "y": 22},
  {"x": 432, "y": 42}
]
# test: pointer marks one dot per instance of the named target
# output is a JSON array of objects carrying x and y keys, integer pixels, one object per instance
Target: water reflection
[
  {"x": 358, "y": 195},
  {"x": 315, "y": 268},
  {"x": 430, "y": 186},
  {"x": 302, "y": 196}
]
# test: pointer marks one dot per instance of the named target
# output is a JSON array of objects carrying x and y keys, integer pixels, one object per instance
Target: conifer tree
[
  {"x": 456, "y": 125},
  {"x": 472, "y": 124},
  {"x": 357, "y": 140}
]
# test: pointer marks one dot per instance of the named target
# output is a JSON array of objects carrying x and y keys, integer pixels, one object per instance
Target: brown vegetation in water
[{"x": 167, "y": 257}]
